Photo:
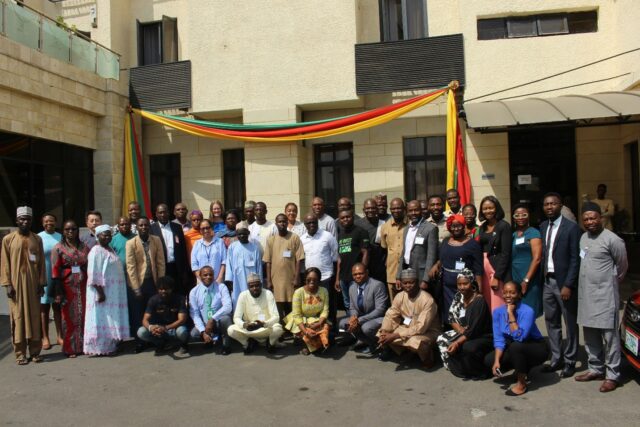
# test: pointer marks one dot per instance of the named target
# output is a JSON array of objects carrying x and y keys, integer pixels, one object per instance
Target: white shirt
[
  {"x": 320, "y": 251},
  {"x": 167, "y": 235},
  {"x": 327, "y": 223},
  {"x": 250, "y": 309},
  {"x": 554, "y": 233},
  {"x": 412, "y": 230},
  {"x": 260, "y": 233}
]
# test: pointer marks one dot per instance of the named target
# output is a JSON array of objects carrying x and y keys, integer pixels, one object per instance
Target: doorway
[{"x": 540, "y": 161}]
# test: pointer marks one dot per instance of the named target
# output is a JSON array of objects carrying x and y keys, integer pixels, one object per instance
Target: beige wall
[{"x": 46, "y": 98}]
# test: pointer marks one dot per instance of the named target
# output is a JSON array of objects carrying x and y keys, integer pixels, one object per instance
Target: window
[
  {"x": 425, "y": 166},
  {"x": 233, "y": 178},
  {"x": 402, "y": 20},
  {"x": 46, "y": 175},
  {"x": 158, "y": 41},
  {"x": 164, "y": 171},
  {"x": 334, "y": 173},
  {"x": 538, "y": 25}
]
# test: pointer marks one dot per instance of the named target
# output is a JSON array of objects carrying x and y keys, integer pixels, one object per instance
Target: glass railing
[{"x": 30, "y": 28}]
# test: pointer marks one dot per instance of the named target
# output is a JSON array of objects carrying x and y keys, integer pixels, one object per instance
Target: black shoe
[
  {"x": 359, "y": 345},
  {"x": 139, "y": 348},
  {"x": 251, "y": 346},
  {"x": 568, "y": 371},
  {"x": 552, "y": 367},
  {"x": 226, "y": 350},
  {"x": 270, "y": 349},
  {"x": 385, "y": 355},
  {"x": 347, "y": 340}
]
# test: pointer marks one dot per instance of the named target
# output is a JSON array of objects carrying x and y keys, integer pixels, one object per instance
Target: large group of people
[{"x": 432, "y": 278}]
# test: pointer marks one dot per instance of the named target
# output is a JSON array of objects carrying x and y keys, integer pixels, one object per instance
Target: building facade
[{"x": 261, "y": 62}]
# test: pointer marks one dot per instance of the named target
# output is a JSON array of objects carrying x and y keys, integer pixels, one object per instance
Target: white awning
[{"x": 564, "y": 108}]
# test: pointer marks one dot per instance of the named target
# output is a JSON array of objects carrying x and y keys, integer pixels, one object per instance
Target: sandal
[
  {"x": 22, "y": 361},
  {"x": 510, "y": 392},
  {"x": 37, "y": 358}
]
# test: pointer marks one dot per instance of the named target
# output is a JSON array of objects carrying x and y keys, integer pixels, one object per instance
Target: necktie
[
  {"x": 207, "y": 303},
  {"x": 361, "y": 298},
  {"x": 548, "y": 251}
]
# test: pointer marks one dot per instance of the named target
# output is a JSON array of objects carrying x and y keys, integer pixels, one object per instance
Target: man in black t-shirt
[
  {"x": 353, "y": 246},
  {"x": 165, "y": 318}
]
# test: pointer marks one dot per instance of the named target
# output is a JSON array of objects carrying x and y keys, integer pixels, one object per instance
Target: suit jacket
[
  {"x": 566, "y": 250},
  {"x": 500, "y": 250},
  {"x": 179, "y": 246},
  {"x": 375, "y": 301},
  {"x": 423, "y": 255},
  {"x": 137, "y": 262}
]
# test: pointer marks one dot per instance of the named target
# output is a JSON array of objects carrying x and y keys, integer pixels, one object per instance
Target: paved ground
[{"x": 287, "y": 389}]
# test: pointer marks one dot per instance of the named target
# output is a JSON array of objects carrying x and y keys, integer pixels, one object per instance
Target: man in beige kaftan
[
  {"x": 22, "y": 274},
  {"x": 411, "y": 323}
]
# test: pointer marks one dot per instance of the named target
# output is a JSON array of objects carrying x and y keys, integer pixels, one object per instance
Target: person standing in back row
[
  {"x": 560, "y": 266},
  {"x": 353, "y": 246}
]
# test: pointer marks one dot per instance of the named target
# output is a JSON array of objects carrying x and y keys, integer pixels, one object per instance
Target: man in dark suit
[
  {"x": 420, "y": 247},
  {"x": 369, "y": 302},
  {"x": 175, "y": 248},
  {"x": 560, "y": 265}
]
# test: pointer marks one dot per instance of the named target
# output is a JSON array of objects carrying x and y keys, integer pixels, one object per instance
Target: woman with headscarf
[
  {"x": 464, "y": 347},
  {"x": 107, "y": 316},
  {"x": 457, "y": 252},
  {"x": 69, "y": 270}
]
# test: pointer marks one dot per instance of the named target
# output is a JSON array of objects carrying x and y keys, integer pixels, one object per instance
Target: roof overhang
[{"x": 560, "y": 109}]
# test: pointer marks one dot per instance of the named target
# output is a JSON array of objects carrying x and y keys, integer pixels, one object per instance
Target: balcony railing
[
  {"x": 31, "y": 28},
  {"x": 425, "y": 63}
]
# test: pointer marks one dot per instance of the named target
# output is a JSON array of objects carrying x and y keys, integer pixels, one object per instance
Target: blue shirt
[
  {"x": 527, "y": 329},
  {"x": 119, "y": 244},
  {"x": 212, "y": 254},
  {"x": 220, "y": 303}
]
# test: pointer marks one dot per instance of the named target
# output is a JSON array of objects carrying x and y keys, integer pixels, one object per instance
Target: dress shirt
[
  {"x": 327, "y": 223},
  {"x": 167, "y": 235},
  {"x": 250, "y": 309},
  {"x": 554, "y": 233},
  {"x": 260, "y": 233},
  {"x": 527, "y": 329},
  {"x": 220, "y": 303},
  {"x": 212, "y": 254},
  {"x": 320, "y": 251},
  {"x": 409, "y": 240}
]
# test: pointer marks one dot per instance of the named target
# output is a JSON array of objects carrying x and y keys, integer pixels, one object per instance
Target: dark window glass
[
  {"x": 158, "y": 41},
  {"x": 538, "y": 25},
  {"x": 164, "y": 171},
  {"x": 424, "y": 174},
  {"x": 489, "y": 29},
  {"x": 334, "y": 173},
  {"x": 522, "y": 27},
  {"x": 402, "y": 20},
  {"x": 552, "y": 24},
  {"x": 233, "y": 178},
  {"x": 49, "y": 177},
  {"x": 583, "y": 22}
]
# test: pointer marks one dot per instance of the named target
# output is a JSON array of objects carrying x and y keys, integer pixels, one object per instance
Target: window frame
[
  {"x": 424, "y": 158},
  {"x": 385, "y": 30},
  {"x": 574, "y": 22},
  {"x": 168, "y": 46},
  {"x": 331, "y": 206},
  {"x": 169, "y": 178},
  {"x": 228, "y": 169}
]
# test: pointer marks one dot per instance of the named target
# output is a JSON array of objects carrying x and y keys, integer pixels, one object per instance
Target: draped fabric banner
[
  {"x": 135, "y": 184},
  {"x": 457, "y": 172}
]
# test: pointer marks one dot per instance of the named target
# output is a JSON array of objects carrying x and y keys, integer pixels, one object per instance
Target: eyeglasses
[
  {"x": 205, "y": 228},
  {"x": 521, "y": 216}
]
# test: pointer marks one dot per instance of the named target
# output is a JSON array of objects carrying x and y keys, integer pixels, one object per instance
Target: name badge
[
  {"x": 75, "y": 269},
  {"x": 175, "y": 238},
  {"x": 32, "y": 257},
  {"x": 419, "y": 240},
  {"x": 406, "y": 321},
  {"x": 251, "y": 263},
  {"x": 583, "y": 253},
  {"x": 520, "y": 240},
  {"x": 460, "y": 265},
  {"x": 463, "y": 312},
  {"x": 261, "y": 317},
  {"x": 286, "y": 254},
  {"x": 210, "y": 314}
]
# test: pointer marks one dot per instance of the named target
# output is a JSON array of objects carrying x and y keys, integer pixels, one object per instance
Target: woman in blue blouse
[
  {"x": 517, "y": 342},
  {"x": 526, "y": 253}
]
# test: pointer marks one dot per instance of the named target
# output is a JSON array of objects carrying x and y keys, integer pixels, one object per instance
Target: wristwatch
[{"x": 526, "y": 280}]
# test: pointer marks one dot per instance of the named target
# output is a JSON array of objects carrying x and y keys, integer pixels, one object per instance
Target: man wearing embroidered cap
[{"x": 23, "y": 275}]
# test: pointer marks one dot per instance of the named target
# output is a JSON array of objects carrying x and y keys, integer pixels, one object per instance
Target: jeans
[
  {"x": 180, "y": 335},
  {"x": 344, "y": 286}
]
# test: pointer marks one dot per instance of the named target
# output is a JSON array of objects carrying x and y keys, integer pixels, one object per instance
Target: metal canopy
[{"x": 564, "y": 108}]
